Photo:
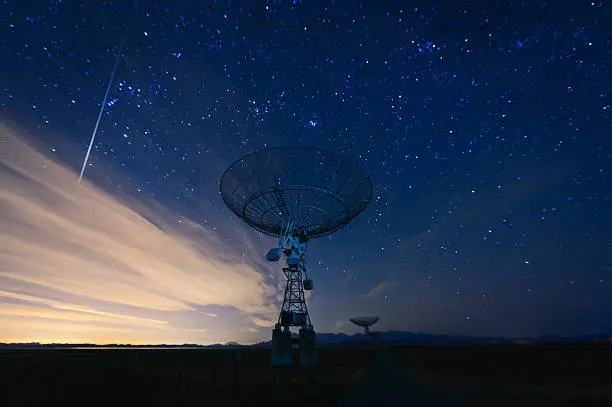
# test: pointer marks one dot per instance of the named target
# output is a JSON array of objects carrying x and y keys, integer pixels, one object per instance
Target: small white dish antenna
[{"x": 366, "y": 322}]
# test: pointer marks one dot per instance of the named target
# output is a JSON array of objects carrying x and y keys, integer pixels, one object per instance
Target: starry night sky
[{"x": 486, "y": 128}]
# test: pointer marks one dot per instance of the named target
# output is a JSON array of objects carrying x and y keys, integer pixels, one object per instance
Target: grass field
[{"x": 495, "y": 375}]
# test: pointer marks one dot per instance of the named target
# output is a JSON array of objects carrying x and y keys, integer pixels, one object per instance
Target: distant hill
[
  {"x": 405, "y": 338},
  {"x": 344, "y": 340},
  {"x": 393, "y": 337},
  {"x": 36, "y": 345}
]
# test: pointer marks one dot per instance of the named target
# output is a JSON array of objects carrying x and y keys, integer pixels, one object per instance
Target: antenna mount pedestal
[{"x": 294, "y": 312}]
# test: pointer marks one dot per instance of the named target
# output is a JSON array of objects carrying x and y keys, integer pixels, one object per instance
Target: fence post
[
  {"x": 179, "y": 380},
  {"x": 53, "y": 384},
  {"x": 26, "y": 376},
  {"x": 135, "y": 367},
  {"x": 237, "y": 370}
]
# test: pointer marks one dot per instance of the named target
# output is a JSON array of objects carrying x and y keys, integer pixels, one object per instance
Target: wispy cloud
[
  {"x": 380, "y": 289},
  {"x": 75, "y": 311},
  {"x": 103, "y": 256},
  {"x": 262, "y": 322}
]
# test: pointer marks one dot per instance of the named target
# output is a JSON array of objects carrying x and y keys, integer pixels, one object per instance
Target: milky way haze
[{"x": 485, "y": 128}]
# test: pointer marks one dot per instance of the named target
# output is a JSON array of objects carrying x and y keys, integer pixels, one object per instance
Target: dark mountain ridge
[{"x": 341, "y": 339}]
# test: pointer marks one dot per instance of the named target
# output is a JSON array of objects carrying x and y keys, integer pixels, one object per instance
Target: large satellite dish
[
  {"x": 295, "y": 194},
  {"x": 317, "y": 190}
]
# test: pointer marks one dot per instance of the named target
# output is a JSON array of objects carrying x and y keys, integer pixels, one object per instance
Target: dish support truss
[{"x": 294, "y": 311}]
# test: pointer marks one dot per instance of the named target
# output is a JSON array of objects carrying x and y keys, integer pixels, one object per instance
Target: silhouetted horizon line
[{"x": 340, "y": 338}]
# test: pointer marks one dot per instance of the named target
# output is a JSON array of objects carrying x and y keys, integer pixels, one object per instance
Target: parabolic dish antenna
[
  {"x": 365, "y": 322},
  {"x": 295, "y": 194},
  {"x": 315, "y": 190}
]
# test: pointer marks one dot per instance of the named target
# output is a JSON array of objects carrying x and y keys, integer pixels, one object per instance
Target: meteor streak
[{"x": 110, "y": 82}]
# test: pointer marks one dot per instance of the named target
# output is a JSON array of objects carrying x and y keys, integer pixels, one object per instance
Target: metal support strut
[{"x": 294, "y": 312}]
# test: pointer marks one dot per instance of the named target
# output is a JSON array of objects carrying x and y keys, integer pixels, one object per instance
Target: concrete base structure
[
  {"x": 308, "y": 347},
  {"x": 281, "y": 354}
]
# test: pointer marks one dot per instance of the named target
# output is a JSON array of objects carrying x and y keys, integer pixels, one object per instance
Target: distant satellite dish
[{"x": 365, "y": 322}]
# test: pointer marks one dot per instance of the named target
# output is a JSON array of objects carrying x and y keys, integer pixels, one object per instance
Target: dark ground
[{"x": 493, "y": 375}]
